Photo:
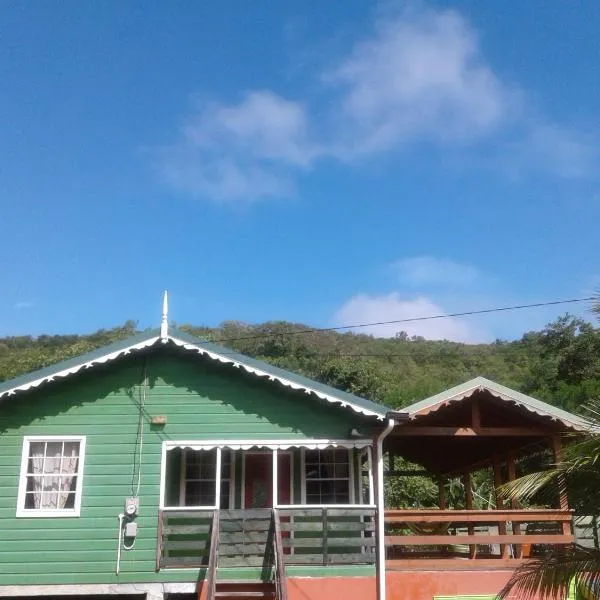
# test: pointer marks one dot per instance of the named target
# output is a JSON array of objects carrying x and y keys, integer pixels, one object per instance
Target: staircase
[{"x": 249, "y": 538}]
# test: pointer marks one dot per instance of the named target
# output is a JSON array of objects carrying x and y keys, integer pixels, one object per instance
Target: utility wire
[{"x": 410, "y": 320}]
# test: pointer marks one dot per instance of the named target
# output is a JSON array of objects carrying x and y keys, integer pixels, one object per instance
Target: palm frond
[
  {"x": 528, "y": 486},
  {"x": 550, "y": 577}
]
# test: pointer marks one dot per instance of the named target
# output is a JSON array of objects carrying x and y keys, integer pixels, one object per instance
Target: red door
[{"x": 258, "y": 484}]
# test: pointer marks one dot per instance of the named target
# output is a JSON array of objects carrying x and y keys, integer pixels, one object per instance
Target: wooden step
[
  {"x": 244, "y": 589},
  {"x": 230, "y": 595}
]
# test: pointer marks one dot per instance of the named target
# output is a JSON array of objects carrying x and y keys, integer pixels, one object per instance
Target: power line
[{"x": 410, "y": 320}]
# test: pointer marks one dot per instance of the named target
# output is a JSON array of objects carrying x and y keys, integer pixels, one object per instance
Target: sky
[{"x": 329, "y": 163}]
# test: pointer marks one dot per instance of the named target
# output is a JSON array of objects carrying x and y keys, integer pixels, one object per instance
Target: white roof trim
[
  {"x": 223, "y": 358},
  {"x": 517, "y": 398},
  {"x": 286, "y": 382},
  {"x": 78, "y": 367},
  {"x": 312, "y": 444}
]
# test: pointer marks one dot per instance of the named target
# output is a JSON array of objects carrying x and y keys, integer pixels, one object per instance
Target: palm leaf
[{"x": 550, "y": 577}]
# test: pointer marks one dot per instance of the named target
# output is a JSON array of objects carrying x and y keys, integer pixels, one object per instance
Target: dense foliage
[{"x": 559, "y": 364}]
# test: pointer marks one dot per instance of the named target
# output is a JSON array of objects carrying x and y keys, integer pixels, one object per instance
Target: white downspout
[{"x": 381, "y": 512}]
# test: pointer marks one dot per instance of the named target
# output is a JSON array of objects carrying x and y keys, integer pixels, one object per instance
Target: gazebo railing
[{"x": 483, "y": 535}]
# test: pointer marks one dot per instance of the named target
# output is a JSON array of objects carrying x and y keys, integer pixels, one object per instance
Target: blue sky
[{"x": 320, "y": 162}]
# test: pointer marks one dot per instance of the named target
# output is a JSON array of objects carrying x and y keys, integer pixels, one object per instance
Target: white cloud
[
  {"x": 419, "y": 76},
  {"x": 242, "y": 151},
  {"x": 422, "y": 271},
  {"x": 363, "y": 308}
]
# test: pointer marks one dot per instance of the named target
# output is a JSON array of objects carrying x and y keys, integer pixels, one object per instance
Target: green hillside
[{"x": 559, "y": 364}]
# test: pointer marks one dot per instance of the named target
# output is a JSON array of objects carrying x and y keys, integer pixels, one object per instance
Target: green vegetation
[
  {"x": 552, "y": 575},
  {"x": 559, "y": 364}
]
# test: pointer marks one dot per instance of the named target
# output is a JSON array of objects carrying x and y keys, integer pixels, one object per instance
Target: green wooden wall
[{"x": 201, "y": 399}]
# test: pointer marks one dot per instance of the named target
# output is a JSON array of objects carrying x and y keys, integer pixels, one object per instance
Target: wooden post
[
  {"x": 442, "y": 493},
  {"x": 514, "y": 504},
  {"x": 563, "y": 499},
  {"x": 469, "y": 506},
  {"x": 499, "y": 503},
  {"x": 475, "y": 414}
]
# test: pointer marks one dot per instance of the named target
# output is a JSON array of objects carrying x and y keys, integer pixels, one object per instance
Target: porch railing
[
  {"x": 328, "y": 536},
  {"x": 247, "y": 538},
  {"x": 484, "y": 535},
  {"x": 184, "y": 538}
]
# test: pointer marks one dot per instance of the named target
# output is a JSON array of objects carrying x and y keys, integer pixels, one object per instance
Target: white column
[
  {"x": 370, "y": 464},
  {"x": 218, "y": 480},
  {"x": 163, "y": 475},
  {"x": 275, "y": 499}
]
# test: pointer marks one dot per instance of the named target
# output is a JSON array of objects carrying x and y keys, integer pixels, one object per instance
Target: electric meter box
[
  {"x": 130, "y": 529},
  {"x": 132, "y": 507}
]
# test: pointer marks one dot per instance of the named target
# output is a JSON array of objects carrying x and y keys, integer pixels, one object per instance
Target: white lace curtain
[{"x": 51, "y": 473}]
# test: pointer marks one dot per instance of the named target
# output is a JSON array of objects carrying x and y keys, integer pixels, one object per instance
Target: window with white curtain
[
  {"x": 51, "y": 476},
  {"x": 327, "y": 476}
]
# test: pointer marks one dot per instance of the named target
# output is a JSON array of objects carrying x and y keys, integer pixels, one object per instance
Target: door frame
[{"x": 289, "y": 452}]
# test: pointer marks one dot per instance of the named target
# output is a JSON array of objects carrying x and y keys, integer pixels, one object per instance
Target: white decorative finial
[{"x": 164, "y": 324}]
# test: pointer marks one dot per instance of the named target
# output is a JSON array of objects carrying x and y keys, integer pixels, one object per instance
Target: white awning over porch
[{"x": 311, "y": 444}]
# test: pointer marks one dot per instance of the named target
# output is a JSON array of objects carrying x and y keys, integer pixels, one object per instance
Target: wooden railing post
[
  {"x": 469, "y": 506},
  {"x": 499, "y": 503},
  {"x": 211, "y": 570},
  {"x": 159, "y": 539},
  {"x": 563, "y": 499},
  {"x": 325, "y": 540},
  {"x": 514, "y": 504},
  {"x": 442, "y": 493},
  {"x": 280, "y": 575}
]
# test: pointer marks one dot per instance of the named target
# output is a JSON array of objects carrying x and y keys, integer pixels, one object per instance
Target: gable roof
[
  {"x": 180, "y": 339},
  {"x": 467, "y": 389}
]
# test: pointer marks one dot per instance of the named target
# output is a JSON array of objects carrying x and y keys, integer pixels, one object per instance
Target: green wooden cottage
[{"x": 166, "y": 465}]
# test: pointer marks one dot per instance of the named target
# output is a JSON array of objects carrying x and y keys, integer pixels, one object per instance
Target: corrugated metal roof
[
  {"x": 183, "y": 340},
  {"x": 465, "y": 390}
]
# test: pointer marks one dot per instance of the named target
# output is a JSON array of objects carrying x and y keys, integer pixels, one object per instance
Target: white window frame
[
  {"x": 38, "y": 512},
  {"x": 351, "y": 479},
  {"x": 183, "y": 480}
]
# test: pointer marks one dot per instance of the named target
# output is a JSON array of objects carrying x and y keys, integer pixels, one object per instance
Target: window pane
[
  {"x": 200, "y": 493},
  {"x": 49, "y": 500},
  {"x": 225, "y": 494},
  {"x": 30, "y": 499}
]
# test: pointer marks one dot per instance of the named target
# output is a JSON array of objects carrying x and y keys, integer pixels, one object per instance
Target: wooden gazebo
[{"x": 477, "y": 425}]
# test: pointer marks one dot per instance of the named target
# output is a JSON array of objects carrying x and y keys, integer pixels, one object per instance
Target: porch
[{"x": 258, "y": 507}]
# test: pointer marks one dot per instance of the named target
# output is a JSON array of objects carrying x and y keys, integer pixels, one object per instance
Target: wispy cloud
[
  {"x": 420, "y": 271},
  {"x": 418, "y": 76},
  {"x": 24, "y": 304}
]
